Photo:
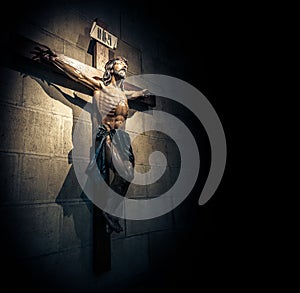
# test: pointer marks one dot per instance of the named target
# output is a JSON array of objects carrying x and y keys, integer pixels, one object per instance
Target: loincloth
[{"x": 122, "y": 151}]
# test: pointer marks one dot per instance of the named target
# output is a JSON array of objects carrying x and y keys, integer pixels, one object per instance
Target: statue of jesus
[{"x": 110, "y": 102}]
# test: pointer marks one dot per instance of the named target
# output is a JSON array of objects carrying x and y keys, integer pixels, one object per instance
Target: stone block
[
  {"x": 88, "y": 59},
  {"x": 75, "y": 29},
  {"x": 159, "y": 144},
  {"x": 81, "y": 136},
  {"x": 40, "y": 36},
  {"x": 139, "y": 190},
  {"x": 67, "y": 140},
  {"x": 135, "y": 124},
  {"x": 34, "y": 175},
  {"x": 173, "y": 153},
  {"x": 35, "y": 94},
  {"x": 74, "y": 52},
  {"x": 68, "y": 102},
  {"x": 43, "y": 133},
  {"x": 136, "y": 227},
  {"x": 55, "y": 136},
  {"x": 157, "y": 126},
  {"x": 76, "y": 225},
  {"x": 9, "y": 177},
  {"x": 64, "y": 22},
  {"x": 70, "y": 189},
  {"x": 51, "y": 98},
  {"x": 11, "y": 86},
  {"x": 83, "y": 114},
  {"x": 31, "y": 230},
  {"x": 14, "y": 128},
  {"x": 160, "y": 186},
  {"x": 142, "y": 149},
  {"x": 60, "y": 105},
  {"x": 58, "y": 172}
]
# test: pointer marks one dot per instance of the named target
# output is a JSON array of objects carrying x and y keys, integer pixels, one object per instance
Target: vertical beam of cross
[{"x": 101, "y": 239}]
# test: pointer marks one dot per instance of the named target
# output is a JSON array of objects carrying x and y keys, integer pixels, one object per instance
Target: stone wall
[{"x": 46, "y": 220}]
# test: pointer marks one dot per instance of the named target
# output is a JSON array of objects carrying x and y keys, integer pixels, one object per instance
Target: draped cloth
[
  {"x": 120, "y": 154},
  {"x": 117, "y": 156}
]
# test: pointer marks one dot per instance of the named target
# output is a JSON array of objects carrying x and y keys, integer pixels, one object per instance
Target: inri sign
[{"x": 103, "y": 36}]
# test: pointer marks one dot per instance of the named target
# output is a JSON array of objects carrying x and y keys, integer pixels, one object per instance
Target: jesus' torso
[{"x": 112, "y": 105}]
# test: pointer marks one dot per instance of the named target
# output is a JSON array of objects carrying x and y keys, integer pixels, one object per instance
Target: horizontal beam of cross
[{"x": 17, "y": 55}]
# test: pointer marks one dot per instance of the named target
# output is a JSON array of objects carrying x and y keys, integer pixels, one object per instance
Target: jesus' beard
[{"x": 120, "y": 74}]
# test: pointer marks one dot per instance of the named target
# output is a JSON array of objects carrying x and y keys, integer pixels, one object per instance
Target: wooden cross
[
  {"x": 19, "y": 58},
  {"x": 102, "y": 240}
]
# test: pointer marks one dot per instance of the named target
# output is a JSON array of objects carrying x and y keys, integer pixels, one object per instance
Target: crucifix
[{"x": 113, "y": 151}]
